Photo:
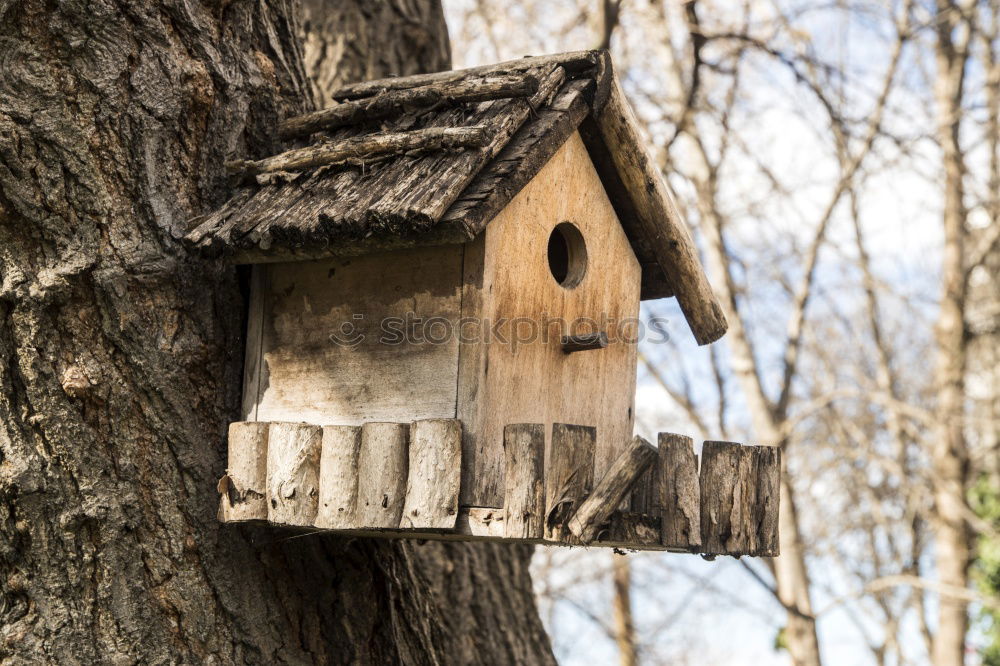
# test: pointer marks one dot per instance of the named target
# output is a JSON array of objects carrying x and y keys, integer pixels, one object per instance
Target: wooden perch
[
  {"x": 395, "y": 102},
  {"x": 293, "y": 451},
  {"x": 524, "y": 503},
  {"x": 584, "y": 342},
  {"x": 609, "y": 493},
  {"x": 244, "y": 487},
  {"x": 435, "y": 468},
  {"x": 680, "y": 498},
  {"x": 616, "y": 145},
  {"x": 569, "y": 476},
  {"x": 367, "y": 147}
]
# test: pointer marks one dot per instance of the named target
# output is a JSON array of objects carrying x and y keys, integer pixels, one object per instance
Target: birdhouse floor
[{"x": 402, "y": 480}]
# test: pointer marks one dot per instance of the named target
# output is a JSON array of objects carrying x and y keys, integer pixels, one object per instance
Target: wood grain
[
  {"x": 494, "y": 389},
  {"x": 569, "y": 476},
  {"x": 680, "y": 499},
  {"x": 396, "y": 102},
  {"x": 338, "y": 477},
  {"x": 293, "y": 451},
  {"x": 383, "y": 470},
  {"x": 524, "y": 499},
  {"x": 608, "y": 494},
  {"x": 433, "y": 475},
  {"x": 243, "y": 489}
]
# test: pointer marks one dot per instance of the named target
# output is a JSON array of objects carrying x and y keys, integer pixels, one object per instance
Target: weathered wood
[
  {"x": 524, "y": 499},
  {"x": 573, "y": 62},
  {"x": 243, "y": 489},
  {"x": 480, "y": 521},
  {"x": 584, "y": 342},
  {"x": 632, "y": 530},
  {"x": 742, "y": 498},
  {"x": 618, "y": 148},
  {"x": 569, "y": 476},
  {"x": 434, "y": 473},
  {"x": 612, "y": 489},
  {"x": 293, "y": 451},
  {"x": 494, "y": 386},
  {"x": 325, "y": 357},
  {"x": 680, "y": 498},
  {"x": 645, "y": 497},
  {"x": 383, "y": 470},
  {"x": 338, "y": 477},
  {"x": 252, "y": 354},
  {"x": 358, "y": 150},
  {"x": 396, "y": 102},
  {"x": 768, "y": 495}
]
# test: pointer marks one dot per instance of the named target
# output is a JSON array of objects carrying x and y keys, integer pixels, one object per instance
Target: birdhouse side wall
[
  {"x": 516, "y": 370},
  {"x": 345, "y": 341}
]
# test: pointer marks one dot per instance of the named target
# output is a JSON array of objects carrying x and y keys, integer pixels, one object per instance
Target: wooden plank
[
  {"x": 293, "y": 451},
  {"x": 243, "y": 488},
  {"x": 338, "y": 477},
  {"x": 645, "y": 498},
  {"x": 477, "y": 521},
  {"x": 397, "y": 102},
  {"x": 382, "y": 469},
  {"x": 503, "y": 381},
  {"x": 574, "y": 62},
  {"x": 361, "y": 149},
  {"x": 524, "y": 499},
  {"x": 612, "y": 489},
  {"x": 618, "y": 148},
  {"x": 569, "y": 476},
  {"x": 434, "y": 474},
  {"x": 336, "y": 348},
  {"x": 768, "y": 495},
  {"x": 680, "y": 500},
  {"x": 253, "y": 350},
  {"x": 728, "y": 495}
]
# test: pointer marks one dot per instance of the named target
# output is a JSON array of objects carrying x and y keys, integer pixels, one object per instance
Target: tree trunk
[
  {"x": 120, "y": 360},
  {"x": 949, "y": 456},
  {"x": 621, "y": 578}
]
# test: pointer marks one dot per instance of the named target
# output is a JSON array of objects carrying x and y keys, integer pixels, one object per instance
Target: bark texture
[{"x": 120, "y": 360}]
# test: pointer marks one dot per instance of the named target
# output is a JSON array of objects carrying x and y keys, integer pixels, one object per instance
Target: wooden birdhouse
[{"x": 447, "y": 271}]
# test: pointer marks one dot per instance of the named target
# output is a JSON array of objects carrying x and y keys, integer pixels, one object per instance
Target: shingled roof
[{"x": 432, "y": 158}]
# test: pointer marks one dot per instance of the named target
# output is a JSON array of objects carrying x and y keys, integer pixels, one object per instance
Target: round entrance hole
[{"x": 567, "y": 255}]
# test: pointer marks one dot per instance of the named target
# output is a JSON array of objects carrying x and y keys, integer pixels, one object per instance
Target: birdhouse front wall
[
  {"x": 509, "y": 277},
  {"x": 472, "y": 331}
]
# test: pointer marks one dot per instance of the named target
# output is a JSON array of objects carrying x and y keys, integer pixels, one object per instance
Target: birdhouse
[{"x": 443, "y": 321}]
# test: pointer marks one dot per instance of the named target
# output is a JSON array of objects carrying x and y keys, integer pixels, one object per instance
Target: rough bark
[{"x": 120, "y": 364}]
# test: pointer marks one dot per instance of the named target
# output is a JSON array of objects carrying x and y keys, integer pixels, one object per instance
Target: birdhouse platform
[{"x": 396, "y": 480}]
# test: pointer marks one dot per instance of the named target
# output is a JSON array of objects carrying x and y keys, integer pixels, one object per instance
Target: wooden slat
[
  {"x": 397, "y": 102},
  {"x": 524, "y": 503},
  {"x": 632, "y": 530},
  {"x": 680, "y": 500},
  {"x": 359, "y": 149},
  {"x": 612, "y": 489},
  {"x": 243, "y": 489},
  {"x": 434, "y": 474},
  {"x": 293, "y": 451},
  {"x": 569, "y": 476},
  {"x": 338, "y": 477},
  {"x": 252, "y": 360},
  {"x": 573, "y": 62},
  {"x": 728, "y": 495},
  {"x": 382, "y": 467},
  {"x": 618, "y": 148},
  {"x": 768, "y": 495}
]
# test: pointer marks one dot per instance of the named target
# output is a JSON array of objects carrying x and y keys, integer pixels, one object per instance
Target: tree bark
[
  {"x": 622, "y": 610},
  {"x": 120, "y": 361}
]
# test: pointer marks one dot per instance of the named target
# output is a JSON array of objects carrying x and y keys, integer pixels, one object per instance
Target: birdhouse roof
[{"x": 432, "y": 158}]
